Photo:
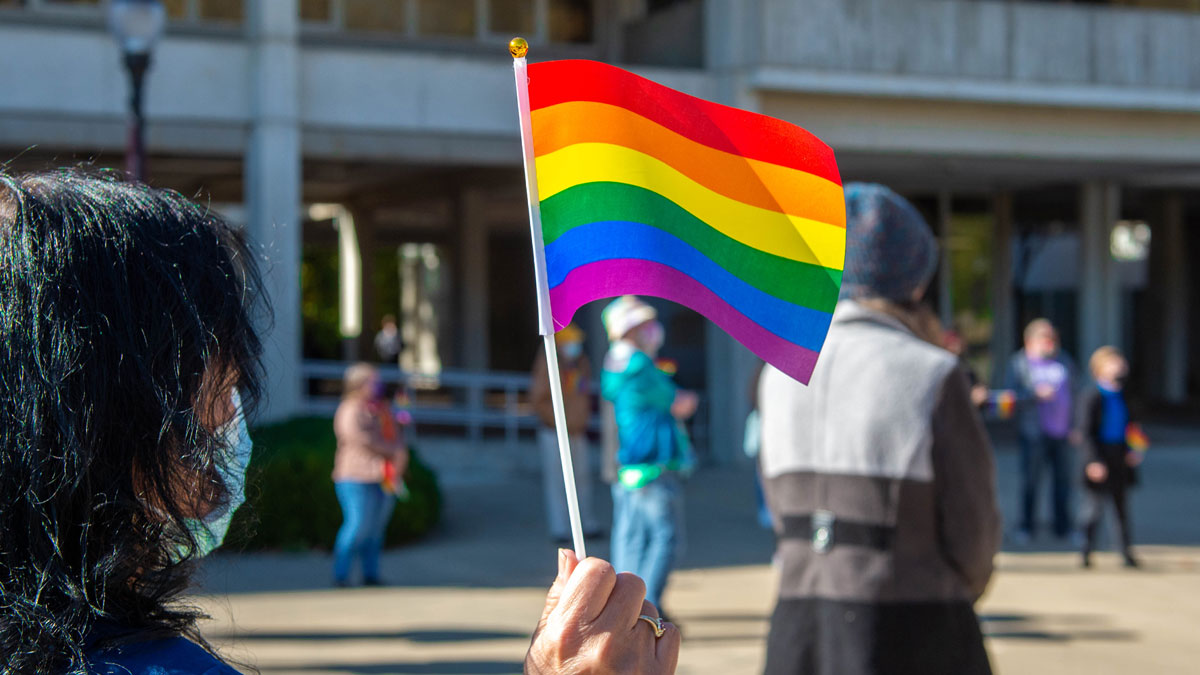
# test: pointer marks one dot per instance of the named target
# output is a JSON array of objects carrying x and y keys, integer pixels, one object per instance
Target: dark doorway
[{"x": 512, "y": 303}]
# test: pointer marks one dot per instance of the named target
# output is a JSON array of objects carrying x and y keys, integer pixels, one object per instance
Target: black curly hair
[{"x": 126, "y": 314}]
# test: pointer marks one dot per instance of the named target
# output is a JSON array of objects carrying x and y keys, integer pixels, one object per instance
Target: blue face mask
[
  {"x": 234, "y": 439},
  {"x": 572, "y": 350}
]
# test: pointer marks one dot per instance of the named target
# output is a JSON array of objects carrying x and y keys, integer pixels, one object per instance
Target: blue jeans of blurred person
[
  {"x": 366, "y": 510},
  {"x": 1036, "y": 453},
  {"x": 557, "y": 514},
  {"x": 648, "y": 532}
]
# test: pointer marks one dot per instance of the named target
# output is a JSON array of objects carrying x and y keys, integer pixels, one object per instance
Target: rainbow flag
[
  {"x": 1003, "y": 402},
  {"x": 1136, "y": 438},
  {"x": 646, "y": 190}
]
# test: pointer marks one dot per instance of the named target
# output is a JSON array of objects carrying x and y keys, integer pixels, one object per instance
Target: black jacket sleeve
[
  {"x": 964, "y": 477},
  {"x": 1087, "y": 425}
]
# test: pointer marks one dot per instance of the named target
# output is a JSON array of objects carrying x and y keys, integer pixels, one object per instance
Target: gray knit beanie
[{"x": 890, "y": 250}]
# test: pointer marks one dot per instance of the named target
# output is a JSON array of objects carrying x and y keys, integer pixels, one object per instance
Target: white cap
[{"x": 624, "y": 314}]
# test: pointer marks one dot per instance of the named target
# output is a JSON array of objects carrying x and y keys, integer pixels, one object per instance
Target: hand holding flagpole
[{"x": 518, "y": 47}]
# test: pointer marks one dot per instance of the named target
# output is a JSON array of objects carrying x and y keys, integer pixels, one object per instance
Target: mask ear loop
[{"x": 235, "y": 449}]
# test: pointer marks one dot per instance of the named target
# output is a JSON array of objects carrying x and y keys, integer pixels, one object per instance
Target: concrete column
[
  {"x": 729, "y": 366},
  {"x": 350, "y": 276},
  {"x": 364, "y": 227},
  {"x": 1003, "y": 321},
  {"x": 273, "y": 190},
  {"x": 731, "y": 44},
  {"x": 1175, "y": 299},
  {"x": 410, "y": 310},
  {"x": 473, "y": 263},
  {"x": 732, "y": 35},
  {"x": 474, "y": 325},
  {"x": 945, "y": 308},
  {"x": 1099, "y": 296},
  {"x": 1114, "y": 297}
]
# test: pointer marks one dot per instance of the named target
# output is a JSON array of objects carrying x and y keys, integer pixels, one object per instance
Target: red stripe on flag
[{"x": 717, "y": 126}]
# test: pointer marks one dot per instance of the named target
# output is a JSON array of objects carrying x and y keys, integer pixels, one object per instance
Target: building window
[
  {"x": 54, "y": 5},
  {"x": 556, "y": 21},
  {"x": 571, "y": 21},
  {"x": 514, "y": 17},
  {"x": 316, "y": 11},
  {"x": 204, "y": 11},
  {"x": 220, "y": 10},
  {"x": 376, "y": 16},
  {"x": 446, "y": 17},
  {"x": 60, "y": 3}
]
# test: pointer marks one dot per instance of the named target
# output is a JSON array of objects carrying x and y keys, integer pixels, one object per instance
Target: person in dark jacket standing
[
  {"x": 879, "y": 475},
  {"x": 1043, "y": 378},
  {"x": 1108, "y": 462},
  {"x": 575, "y": 371}
]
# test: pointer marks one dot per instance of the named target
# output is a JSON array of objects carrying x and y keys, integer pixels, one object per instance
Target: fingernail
[{"x": 562, "y": 562}]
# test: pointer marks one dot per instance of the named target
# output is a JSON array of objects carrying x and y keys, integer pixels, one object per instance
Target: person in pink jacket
[{"x": 367, "y": 441}]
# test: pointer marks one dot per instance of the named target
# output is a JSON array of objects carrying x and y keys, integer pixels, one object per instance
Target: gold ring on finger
[{"x": 656, "y": 623}]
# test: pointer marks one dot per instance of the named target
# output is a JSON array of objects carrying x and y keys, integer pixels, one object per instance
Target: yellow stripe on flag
[
  {"x": 770, "y": 186},
  {"x": 787, "y": 236}
]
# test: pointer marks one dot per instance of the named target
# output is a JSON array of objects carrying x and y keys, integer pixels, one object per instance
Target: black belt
[{"x": 824, "y": 530}]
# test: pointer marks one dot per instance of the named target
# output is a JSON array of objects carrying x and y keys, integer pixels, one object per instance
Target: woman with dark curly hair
[{"x": 129, "y": 362}]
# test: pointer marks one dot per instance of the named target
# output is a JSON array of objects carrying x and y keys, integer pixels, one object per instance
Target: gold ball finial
[{"x": 518, "y": 47}]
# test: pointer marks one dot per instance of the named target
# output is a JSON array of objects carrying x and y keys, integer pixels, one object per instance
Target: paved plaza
[{"x": 466, "y": 599}]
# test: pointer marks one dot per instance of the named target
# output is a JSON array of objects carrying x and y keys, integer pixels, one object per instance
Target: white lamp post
[{"x": 137, "y": 26}]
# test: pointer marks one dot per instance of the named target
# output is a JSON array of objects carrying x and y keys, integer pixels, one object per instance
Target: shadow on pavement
[
  {"x": 1055, "y": 636},
  {"x": 431, "y": 668},
  {"x": 420, "y": 636},
  {"x": 493, "y": 535},
  {"x": 1052, "y": 628},
  {"x": 725, "y": 618},
  {"x": 1066, "y": 619}
]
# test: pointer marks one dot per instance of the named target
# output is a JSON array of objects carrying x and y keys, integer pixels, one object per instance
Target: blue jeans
[
  {"x": 1036, "y": 452},
  {"x": 366, "y": 510},
  {"x": 648, "y": 534}
]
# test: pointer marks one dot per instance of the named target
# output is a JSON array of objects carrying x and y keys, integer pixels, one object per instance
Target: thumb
[{"x": 566, "y": 565}]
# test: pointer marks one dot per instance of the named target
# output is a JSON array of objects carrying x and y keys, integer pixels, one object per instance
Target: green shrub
[{"x": 290, "y": 503}]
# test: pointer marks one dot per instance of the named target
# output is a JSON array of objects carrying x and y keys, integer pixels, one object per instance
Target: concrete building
[{"x": 1054, "y": 146}]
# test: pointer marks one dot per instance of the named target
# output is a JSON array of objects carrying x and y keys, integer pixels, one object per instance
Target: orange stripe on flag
[
  {"x": 769, "y": 186},
  {"x": 739, "y": 132}
]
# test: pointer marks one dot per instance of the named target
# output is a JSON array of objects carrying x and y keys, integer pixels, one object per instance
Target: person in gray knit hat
[
  {"x": 890, "y": 250},
  {"x": 883, "y": 501}
]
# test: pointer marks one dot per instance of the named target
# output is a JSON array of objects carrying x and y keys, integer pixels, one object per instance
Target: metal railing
[{"x": 471, "y": 400}]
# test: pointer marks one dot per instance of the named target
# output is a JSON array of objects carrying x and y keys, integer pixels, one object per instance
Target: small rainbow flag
[
  {"x": 1003, "y": 402},
  {"x": 1135, "y": 438},
  {"x": 646, "y": 190}
]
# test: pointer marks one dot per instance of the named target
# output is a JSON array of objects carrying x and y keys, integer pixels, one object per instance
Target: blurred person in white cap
[
  {"x": 576, "y": 372},
  {"x": 655, "y": 451}
]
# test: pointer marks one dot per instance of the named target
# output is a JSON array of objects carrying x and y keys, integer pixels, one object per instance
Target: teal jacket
[{"x": 652, "y": 440}]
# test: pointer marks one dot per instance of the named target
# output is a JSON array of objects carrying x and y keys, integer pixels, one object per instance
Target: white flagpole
[{"x": 518, "y": 47}]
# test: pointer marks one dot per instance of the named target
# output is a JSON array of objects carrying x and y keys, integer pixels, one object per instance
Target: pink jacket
[{"x": 361, "y": 448}]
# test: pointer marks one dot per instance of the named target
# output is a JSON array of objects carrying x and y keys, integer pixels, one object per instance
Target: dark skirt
[
  {"x": 814, "y": 636},
  {"x": 1120, "y": 475}
]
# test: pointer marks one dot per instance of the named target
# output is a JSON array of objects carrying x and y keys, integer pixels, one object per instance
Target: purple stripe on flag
[{"x": 610, "y": 278}]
